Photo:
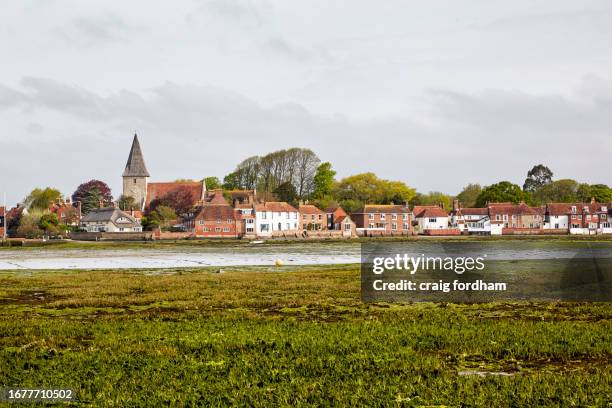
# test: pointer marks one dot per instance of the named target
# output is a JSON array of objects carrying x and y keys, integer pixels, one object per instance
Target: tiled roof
[
  {"x": 566, "y": 208},
  {"x": 213, "y": 212},
  {"x": 135, "y": 166},
  {"x": 275, "y": 206},
  {"x": 474, "y": 211},
  {"x": 421, "y": 211},
  {"x": 158, "y": 190},
  {"x": 382, "y": 209},
  {"x": 513, "y": 209},
  {"x": 309, "y": 209}
]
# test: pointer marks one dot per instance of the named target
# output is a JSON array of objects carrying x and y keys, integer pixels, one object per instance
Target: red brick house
[
  {"x": 509, "y": 218},
  {"x": 383, "y": 220},
  {"x": 67, "y": 213},
  {"x": 312, "y": 218},
  {"x": 578, "y": 218},
  {"x": 214, "y": 218}
]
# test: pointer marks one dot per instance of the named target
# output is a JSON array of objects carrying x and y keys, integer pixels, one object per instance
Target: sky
[{"x": 437, "y": 94}]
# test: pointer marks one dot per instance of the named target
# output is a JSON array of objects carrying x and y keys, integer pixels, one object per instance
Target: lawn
[{"x": 291, "y": 336}]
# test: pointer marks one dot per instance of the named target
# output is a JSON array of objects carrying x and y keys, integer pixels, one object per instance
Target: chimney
[
  {"x": 593, "y": 201},
  {"x": 101, "y": 204},
  {"x": 456, "y": 206}
]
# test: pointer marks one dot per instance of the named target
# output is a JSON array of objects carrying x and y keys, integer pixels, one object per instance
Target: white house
[
  {"x": 110, "y": 219},
  {"x": 431, "y": 218},
  {"x": 275, "y": 219}
]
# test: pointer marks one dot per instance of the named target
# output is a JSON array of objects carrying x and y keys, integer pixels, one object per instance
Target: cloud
[{"x": 190, "y": 131}]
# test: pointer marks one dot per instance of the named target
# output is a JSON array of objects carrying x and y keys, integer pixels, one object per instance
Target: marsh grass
[{"x": 291, "y": 336}]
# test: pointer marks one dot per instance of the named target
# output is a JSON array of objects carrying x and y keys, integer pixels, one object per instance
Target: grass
[{"x": 259, "y": 337}]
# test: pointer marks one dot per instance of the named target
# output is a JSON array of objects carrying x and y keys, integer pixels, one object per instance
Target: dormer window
[{"x": 573, "y": 209}]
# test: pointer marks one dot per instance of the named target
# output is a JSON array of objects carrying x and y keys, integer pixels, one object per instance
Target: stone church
[{"x": 136, "y": 181}]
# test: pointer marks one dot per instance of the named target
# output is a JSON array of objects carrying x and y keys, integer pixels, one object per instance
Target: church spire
[{"x": 135, "y": 166}]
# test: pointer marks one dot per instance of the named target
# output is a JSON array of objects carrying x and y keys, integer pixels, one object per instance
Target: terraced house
[
  {"x": 214, "y": 218},
  {"x": 579, "y": 218},
  {"x": 312, "y": 218},
  {"x": 391, "y": 219},
  {"x": 276, "y": 218}
]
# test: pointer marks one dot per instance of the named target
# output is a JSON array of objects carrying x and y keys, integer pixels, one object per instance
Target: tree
[
  {"x": 537, "y": 177},
  {"x": 433, "y": 198},
  {"x": 91, "y": 200},
  {"x": 212, "y": 183},
  {"x": 162, "y": 216},
  {"x": 600, "y": 192},
  {"x": 126, "y": 203},
  {"x": 503, "y": 191},
  {"x": 179, "y": 199},
  {"x": 83, "y": 192},
  {"x": 559, "y": 191},
  {"x": 354, "y": 191},
  {"x": 48, "y": 221},
  {"x": 467, "y": 197},
  {"x": 323, "y": 180},
  {"x": 29, "y": 225},
  {"x": 286, "y": 192},
  {"x": 40, "y": 199}
]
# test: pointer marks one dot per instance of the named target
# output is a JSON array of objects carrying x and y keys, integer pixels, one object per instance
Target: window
[
  {"x": 505, "y": 217},
  {"x": 226, "y": 229},
  {"x": 201, "y": 222},
  {"x": 218, "y": 221},
  {"x": 264, "y": 228},
  {"x": 573, "y": 209},
  {"x": 304, "y": 216},
  {"x": 134, "y": 181},
  {"x": 347, "y": 226},
  {"x": 604, "y": 208},
  {"x": 497, "y": 217},
  {"x": 229, "y": 221},
  {"x": 288, "y": 226},
  {"x": 382, "y": 216},
  {"x": 433, "y": 220},
  {"x": 405, "y": 226},
  {"x": 371, "y": 216},
  {"x": 371, "y": 226},
  {"x": 206, "y": 229},
  {"x": 312, "y": 217},
  {"x": 405, "y": 217},
  {"x": 320, "y": 217},
  {"x": 394, "y": 216},
  {"x": 249, "y": 221},
  {"x": 217, "y": 229},
  {"x": 249, "y": 229},
  {"x": 394, "y": 226},
  {"x": 304, "y": 226},
  {"x": 606, "y": 225}
]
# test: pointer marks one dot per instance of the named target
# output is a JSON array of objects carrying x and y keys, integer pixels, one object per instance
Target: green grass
[{"x": 257, "y": 337}]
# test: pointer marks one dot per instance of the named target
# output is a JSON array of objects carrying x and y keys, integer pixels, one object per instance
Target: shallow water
[{"x": 305, "y": 253}]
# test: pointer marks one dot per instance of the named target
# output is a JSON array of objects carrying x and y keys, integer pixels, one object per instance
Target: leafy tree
[
  {"x": 351, "y": 206},
  {"x": 286, "y": 192},
  {"x": 468, "y": 196},
  {"x": 537, "y": 177},
  {"x": 503, "y": 191},
  {"x": 558, "y": 191},
  {"x": 40, "y": 199},
  {"x": 179, "y": 199},
  {"x": 323, "y": 180},
  {"x": 127, "y": 203},
  {"x": 91, "y": 200},
  {"x": 48, "y": 221},
  {"x": 162, "y": 216},
  {"x": 433, "y": 198},
  {"x": 29, "y": 225},
  {"x": 367, "y": 188},
  {"x": 83, "y": 193},
  {"x": 600, "y": 192},
  {"x": 212, "y": 183}
]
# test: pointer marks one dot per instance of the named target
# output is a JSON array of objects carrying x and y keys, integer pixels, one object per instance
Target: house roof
[
  {"x": 566, "y": 208},
  {"x": 309, "y": 209},
  {"x": 422, "y": 211},
  {"x": 474, "y": 211},
  {"x": 382, "y": 209},
  {"x": 107, "y": 214},
  {"x": 135, "y": 166},
  {"x": 336, "y": 209},
  {"x": 159, "y": 189},
  {"x": 213, "y": 212},
  {"x": 513, "y": 209},
  {"x": 275, "y": 206}
]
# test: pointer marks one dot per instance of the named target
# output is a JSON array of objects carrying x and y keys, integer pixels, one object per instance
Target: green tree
[
  {"x": 503, "y": 191},
  {"x": 48, "y": 221},
  {"x": 91, "y": 200},
  {"x": 212, "y": 183},
  {"x": 537, "y": 177},
  {"x": 127, "y": 203},
  {"x": 468, "y": 196},
  {"x": 433, "y": 198},
  {"x": 286, "y": 192},
  {"x": 368, "y": 188},
  {"x": 558, "y": 191},
  {"x": 600, "y": 192},
  {"x": 29, "y": 225},
  {"x": 323, "y": 180},
  {"x": 40, "y": 199},
  {"x": 162, "y": 216}
]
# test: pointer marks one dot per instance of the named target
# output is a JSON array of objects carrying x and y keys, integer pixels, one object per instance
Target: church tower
[{"x": 135, "y": 175}]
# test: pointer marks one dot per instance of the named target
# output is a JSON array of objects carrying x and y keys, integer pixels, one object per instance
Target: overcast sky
[{"x": 436, "y": 94}]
